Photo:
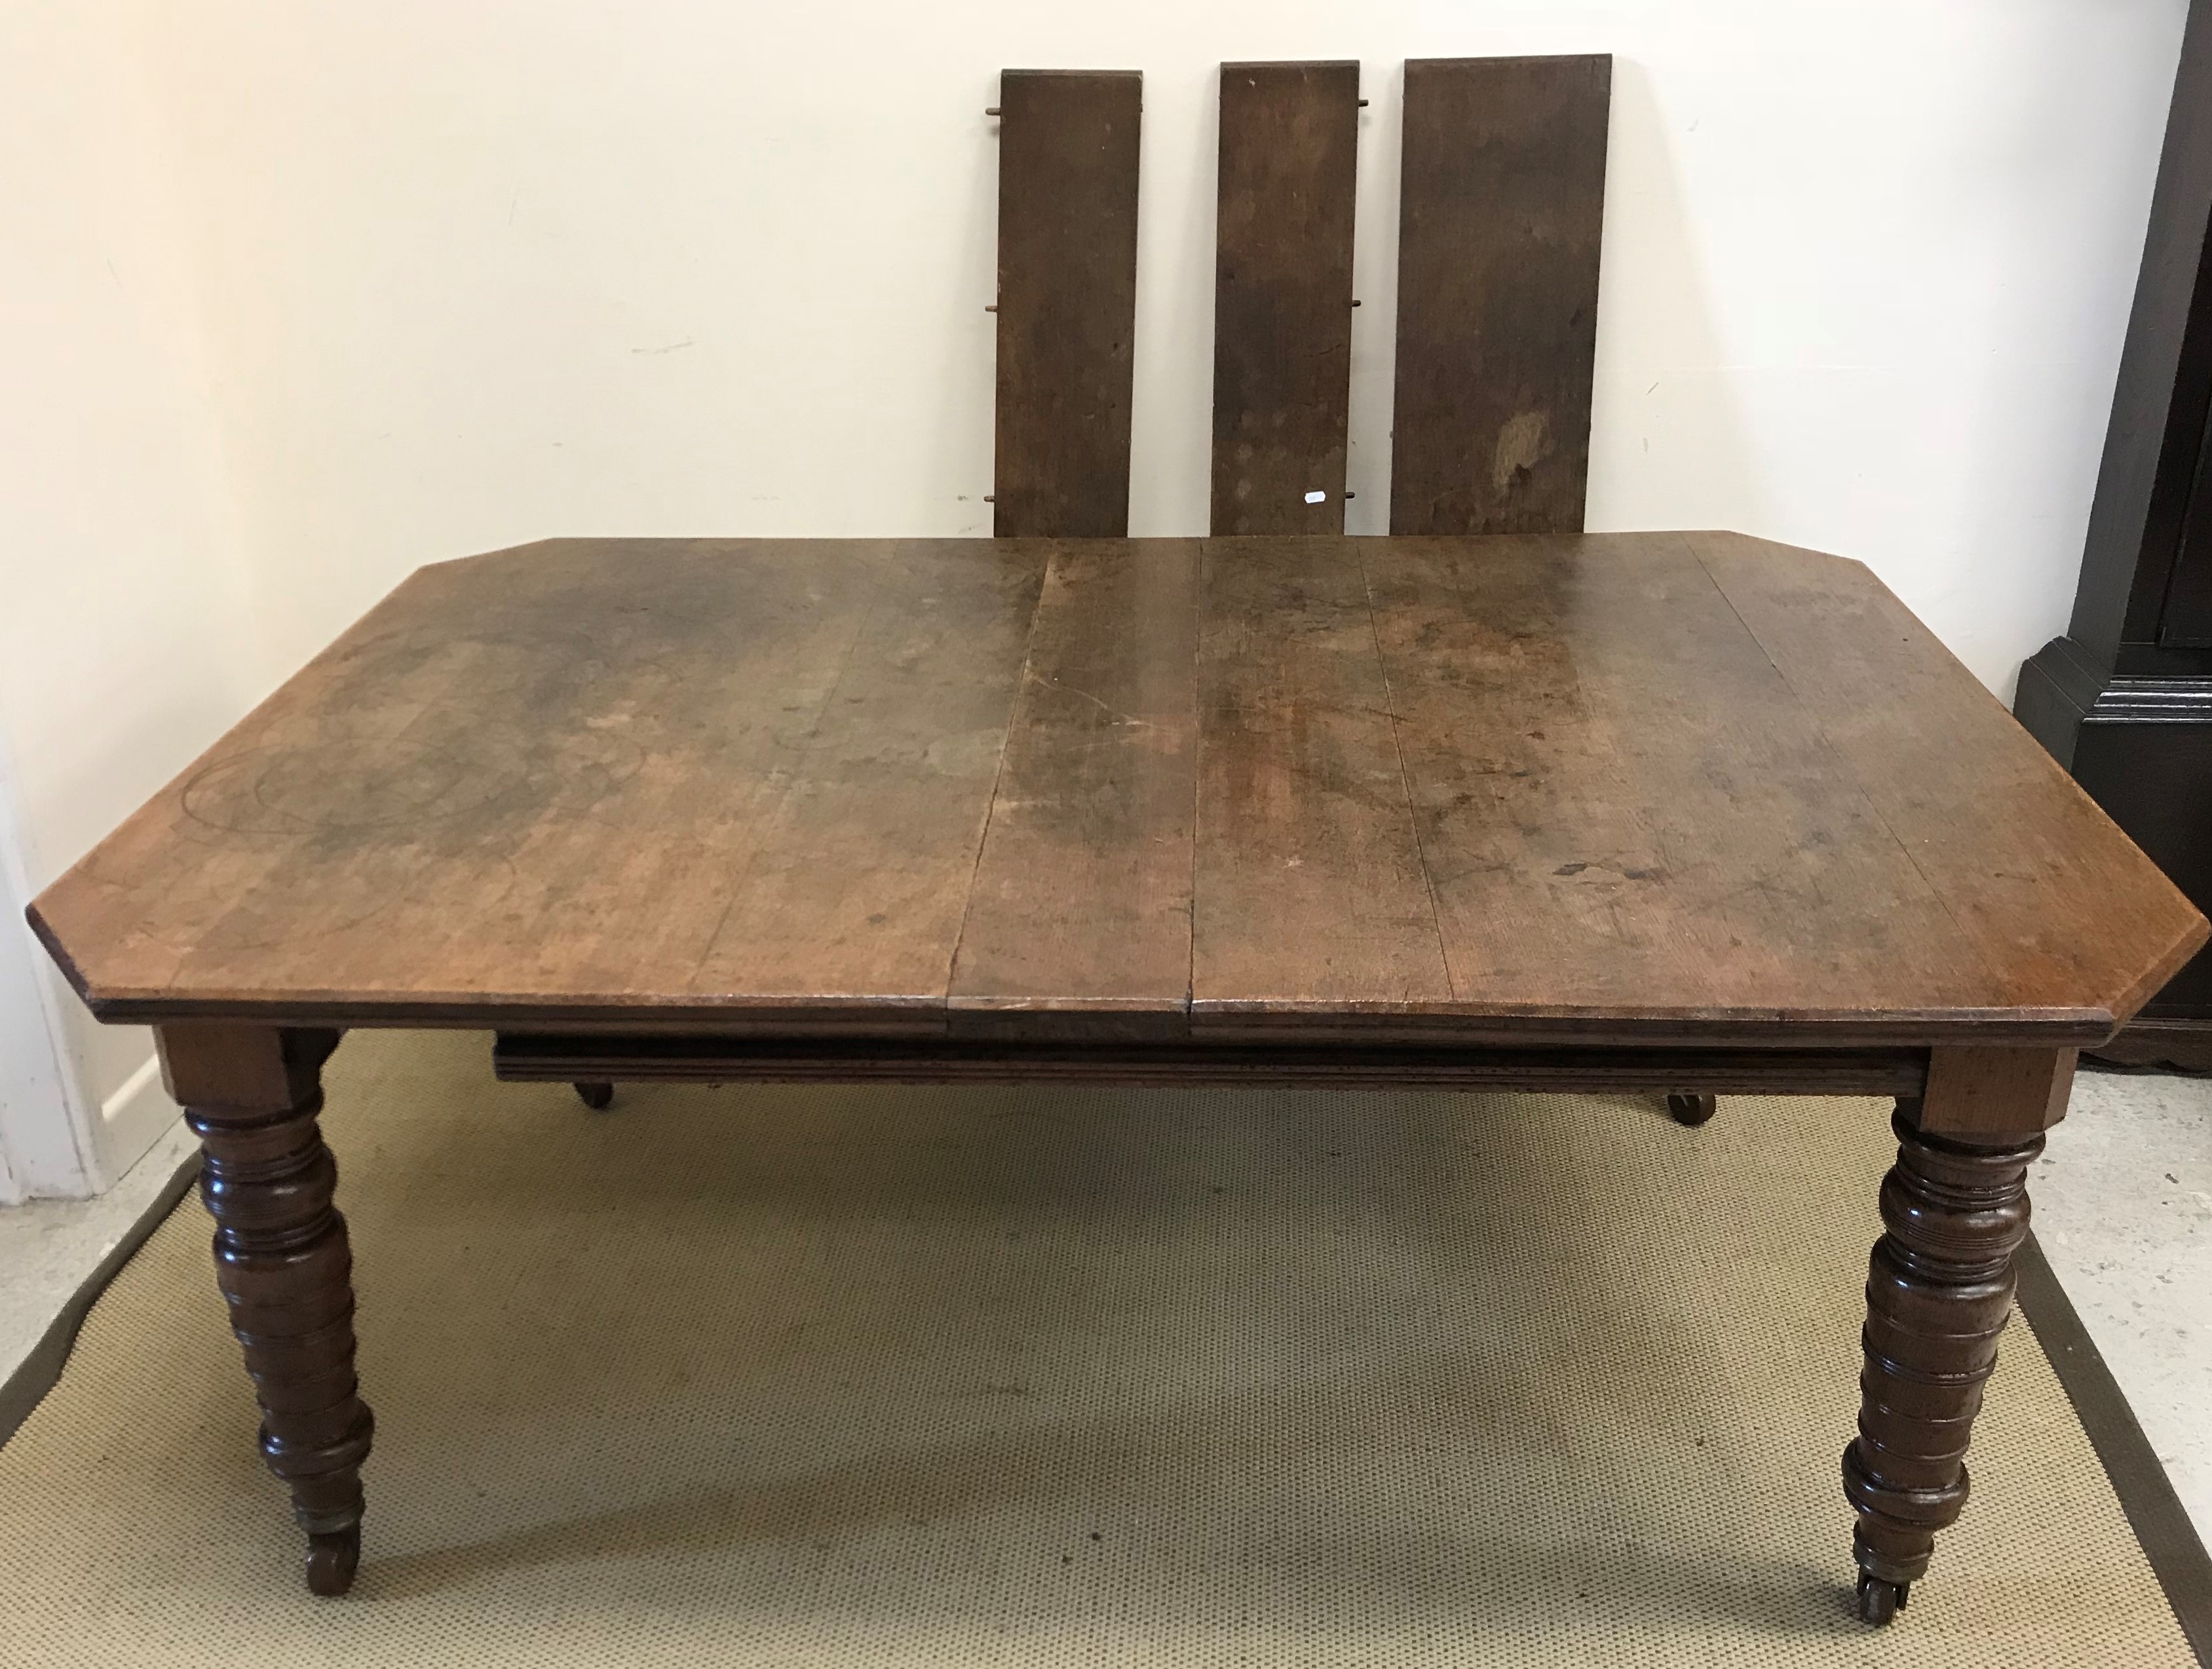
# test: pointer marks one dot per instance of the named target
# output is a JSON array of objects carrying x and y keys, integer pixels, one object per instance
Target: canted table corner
[{"x": 1684, "y": 813}]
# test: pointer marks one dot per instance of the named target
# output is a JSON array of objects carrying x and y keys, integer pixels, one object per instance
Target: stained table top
[{"x": 1623, "y": 787}]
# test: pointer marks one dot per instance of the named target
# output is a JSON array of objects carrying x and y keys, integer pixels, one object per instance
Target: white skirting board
[{"x": 132, "y": 1120}]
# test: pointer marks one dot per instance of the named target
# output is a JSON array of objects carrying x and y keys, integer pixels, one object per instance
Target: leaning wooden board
[
  {"x": 1633, "y": 786},
  {"x": 1501, "y": 213},
  {"x": 1067, "y": 300},
  {"x": 1282, "y": 296}
]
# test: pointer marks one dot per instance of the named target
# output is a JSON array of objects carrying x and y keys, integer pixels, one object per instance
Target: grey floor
[
  {"x": 50, "y": 1248},
  {"x": 2123, "y": 1198},
  {"x": 2123, "y": 1207}
]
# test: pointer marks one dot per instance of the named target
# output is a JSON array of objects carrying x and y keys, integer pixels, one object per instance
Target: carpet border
[{"x": 2161, "y": 1524}]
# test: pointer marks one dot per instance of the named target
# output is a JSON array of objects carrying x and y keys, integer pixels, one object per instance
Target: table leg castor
[
  {"x": 1879, "y": 1601},
  {"x": 332, "y": 1557},
  {"x": 598, "y": 1097},
  {"x": 1691, "y": 1110}
]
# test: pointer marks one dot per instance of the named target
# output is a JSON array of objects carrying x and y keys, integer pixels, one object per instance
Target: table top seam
[
  {"x": 999, "y": 776},
  {"x": 1405, "y": 774}
]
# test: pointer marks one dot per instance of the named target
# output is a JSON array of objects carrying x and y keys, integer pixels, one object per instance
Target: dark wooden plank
[
  {"x": 719, "y": 778},
  {"x": 565, "y": 1058},
  {"x": 1309, "y": 898},
  {"x": 1068, "y": 300},
  {"x": 1619, "y": 797},
  {"x": 1079, "y": 917},
  {"x": 1500, "y": 219},
  {"x": 2062, "y": 907},
  {"x": 1282, "y": 296}
]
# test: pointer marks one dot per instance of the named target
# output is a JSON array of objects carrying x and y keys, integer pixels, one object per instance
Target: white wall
[
  {"x": 41, "y": 1125},
  {"x": 479, "y": 272},
  {"x": 126, "y": 642}
]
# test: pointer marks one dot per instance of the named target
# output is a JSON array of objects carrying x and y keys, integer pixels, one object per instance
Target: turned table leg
[
  {"x": 252, "y": 1094},
  {"x": 1939, "y": 1291}
]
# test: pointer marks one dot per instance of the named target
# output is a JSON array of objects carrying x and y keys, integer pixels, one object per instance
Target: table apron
[{"x": 572, "y": 1057}]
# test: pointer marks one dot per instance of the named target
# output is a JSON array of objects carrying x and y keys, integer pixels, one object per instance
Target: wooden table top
[{"x": 1649, "y": 787}]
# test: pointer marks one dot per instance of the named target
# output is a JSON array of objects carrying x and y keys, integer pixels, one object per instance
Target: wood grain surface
[
  {"x": 1282, "y": 296},
  {"x": 1627, "y": 790},
  {"x": 1081, "y": 903},
  {"x": 1309, "y": 895},
  {"x": 1500, "y": 222},
  {"x": 2024, "y": 862},
  {"x": 1617, "y": 797},
  {"x": 1980, "y": 1091},
  {"x": 1067, "y": 301}
]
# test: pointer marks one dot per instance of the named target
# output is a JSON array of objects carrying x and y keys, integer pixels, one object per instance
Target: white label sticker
[{"x": 1315, "y": 497}]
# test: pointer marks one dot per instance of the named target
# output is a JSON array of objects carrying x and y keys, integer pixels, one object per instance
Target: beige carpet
[{"x": 960, "y": 1377}]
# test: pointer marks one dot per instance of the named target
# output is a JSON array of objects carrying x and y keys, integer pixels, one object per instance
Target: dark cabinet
[
  {"x": 2123, "y": 700},
  {"x": 2186, "y": 622}
]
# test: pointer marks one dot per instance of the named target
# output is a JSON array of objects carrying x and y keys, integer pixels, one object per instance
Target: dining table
[{"x": 1679, "y": 813}]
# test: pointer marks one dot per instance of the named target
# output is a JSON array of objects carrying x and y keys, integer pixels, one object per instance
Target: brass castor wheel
[
  {"x": 1879, "y": 1601},
  {"x": 1691, "y": 1110},
  {"x": 332, "y": 1557},
  {"x": 598, "y": 1097}
]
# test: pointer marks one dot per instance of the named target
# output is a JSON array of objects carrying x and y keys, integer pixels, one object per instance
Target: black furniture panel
[{"x": 2124, "y": 699}]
